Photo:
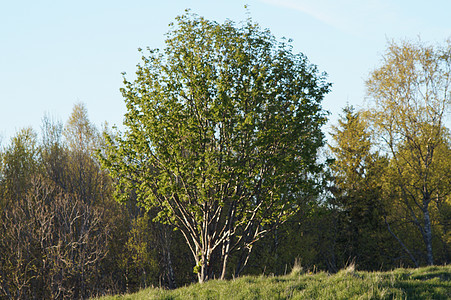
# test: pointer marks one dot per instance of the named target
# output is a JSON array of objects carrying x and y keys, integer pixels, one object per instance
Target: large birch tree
[{"x": 411, "y": 96}]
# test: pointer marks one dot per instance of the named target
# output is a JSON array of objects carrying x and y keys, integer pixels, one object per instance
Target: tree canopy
[
  {"x": 411, "y": 93},
  {"x": 222, "y": 132}
]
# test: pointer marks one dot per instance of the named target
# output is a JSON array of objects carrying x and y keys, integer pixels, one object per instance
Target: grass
[{"x": 422, "y": 283}]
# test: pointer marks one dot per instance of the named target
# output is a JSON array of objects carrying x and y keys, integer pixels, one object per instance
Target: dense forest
[{"x": 224, "y": 170}]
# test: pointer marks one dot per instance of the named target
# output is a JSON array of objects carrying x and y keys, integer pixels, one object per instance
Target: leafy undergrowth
[{"x": 422, "y": 283}]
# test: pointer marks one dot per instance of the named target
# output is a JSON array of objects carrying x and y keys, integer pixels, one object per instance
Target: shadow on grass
[{"x": 423, "y": 282}]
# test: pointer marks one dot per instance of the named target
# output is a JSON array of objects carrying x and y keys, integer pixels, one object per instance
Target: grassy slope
[{"x": 422, "y": 283}]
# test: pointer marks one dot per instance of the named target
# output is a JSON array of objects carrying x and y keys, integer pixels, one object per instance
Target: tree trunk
[
  {"x": 202, "y": 274},
  {"x": 401, "y": 243},
  {"x": 244, "y": 258},
  {"x": 428, "y": 236},
  {"x": 171, "y": 276},
  {"x": 225, "y": 257},
  {"x": 165, "y": 238},
  {"x": 203, "y": 265}
]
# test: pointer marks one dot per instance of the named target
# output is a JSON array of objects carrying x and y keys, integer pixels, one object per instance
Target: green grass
[{"x": 422, "y": 283}]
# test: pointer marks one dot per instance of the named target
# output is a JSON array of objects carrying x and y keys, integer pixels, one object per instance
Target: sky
[{"x": 54, "y": 54}]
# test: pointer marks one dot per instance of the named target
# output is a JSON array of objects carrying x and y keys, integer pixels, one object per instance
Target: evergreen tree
[{"x": 357, "y": 172}]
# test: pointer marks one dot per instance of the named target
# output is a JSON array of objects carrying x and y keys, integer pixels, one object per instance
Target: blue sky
[{"x": 54, "y": 54}]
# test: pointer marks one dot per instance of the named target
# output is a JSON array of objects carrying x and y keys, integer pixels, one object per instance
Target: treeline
[
  {"x": 64, "y": 236},
  {"x": 62, "y": 233},
  {"x": 378, "y": 196}
]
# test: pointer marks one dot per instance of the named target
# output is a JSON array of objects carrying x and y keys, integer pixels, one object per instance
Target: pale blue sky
[{"x": 54, "y": 54}]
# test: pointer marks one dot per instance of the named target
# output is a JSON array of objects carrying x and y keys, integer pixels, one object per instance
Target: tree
[
  {"x": 52, "y": 244},
  {"x": 222, "y": 133},
  {"x": 411, "y": 93},
  {"x": 80, "y": 134},
  {"x": 83, "y": 169},
  {"x": 58, "y": 220},
  {"x": 356, "y": 189},
  {"x": 18, "y": 165}
]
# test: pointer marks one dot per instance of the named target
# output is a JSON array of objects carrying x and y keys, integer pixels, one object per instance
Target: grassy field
[{"x": 422, "y": 283}]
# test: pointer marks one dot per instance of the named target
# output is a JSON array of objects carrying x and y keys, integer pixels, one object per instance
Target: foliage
[
  {"x": 223, "y": 129},
  {"x": 357, "y": 193},
  {"x": 138, "y": 261},
  {"x": 18, "y": 165},
  {"x": 222, "y": 143},
  {"x": 55, "y": 217},
  {"x": 411, "y": 93}
]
